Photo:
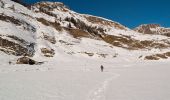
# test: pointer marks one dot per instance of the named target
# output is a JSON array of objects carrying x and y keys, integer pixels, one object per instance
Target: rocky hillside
[
  {"x": 153, "y": 29},
  {"x": 51, "y": 29}
]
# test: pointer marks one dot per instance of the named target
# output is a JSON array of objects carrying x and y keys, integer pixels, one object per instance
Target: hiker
[{"x": 102, "y": 68}]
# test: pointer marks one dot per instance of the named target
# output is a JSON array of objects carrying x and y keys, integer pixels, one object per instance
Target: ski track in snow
[{"x": 99, "y": 92}]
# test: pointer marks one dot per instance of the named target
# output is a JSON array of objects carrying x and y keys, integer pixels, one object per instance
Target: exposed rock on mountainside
[
  {"x": 158, "y": 56},
  {"x": 48, "y": 52},
  {"x": 18, "y": 49},
  {"x": 51, "y": 28},
  {"x": 153, "y": 29},
  {"x": 27, "y": 60}
]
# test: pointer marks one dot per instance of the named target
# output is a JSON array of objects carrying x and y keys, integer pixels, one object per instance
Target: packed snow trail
[{"x": 99, "y": 92}]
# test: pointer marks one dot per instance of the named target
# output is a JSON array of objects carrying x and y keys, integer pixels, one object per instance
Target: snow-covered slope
[{"x": 51, "y": 29}]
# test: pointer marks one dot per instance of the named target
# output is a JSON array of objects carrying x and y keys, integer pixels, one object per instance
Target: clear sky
[{"x": 130, "y": 13}]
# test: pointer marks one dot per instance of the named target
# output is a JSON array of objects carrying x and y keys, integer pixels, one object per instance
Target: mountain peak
[
  {"x": 152, "y": 29},
  {"x": 50, "y": 5},
  {"x": 150, "y": 25}
]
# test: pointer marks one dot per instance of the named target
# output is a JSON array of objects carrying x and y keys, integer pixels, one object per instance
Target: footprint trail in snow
[{"x": 99, "y": 92}]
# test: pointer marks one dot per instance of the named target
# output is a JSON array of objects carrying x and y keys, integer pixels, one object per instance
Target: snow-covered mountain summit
[{"x": 51, "y": 29}]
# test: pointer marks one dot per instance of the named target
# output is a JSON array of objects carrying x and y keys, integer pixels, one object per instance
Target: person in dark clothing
[{"x": 102, "y": 68}]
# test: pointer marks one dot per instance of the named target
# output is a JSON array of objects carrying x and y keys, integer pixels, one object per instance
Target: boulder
[{"x": 26, "y": 60}]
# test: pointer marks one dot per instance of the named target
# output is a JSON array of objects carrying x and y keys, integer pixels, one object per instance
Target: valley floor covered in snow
[{"x": 85, "y": 81}]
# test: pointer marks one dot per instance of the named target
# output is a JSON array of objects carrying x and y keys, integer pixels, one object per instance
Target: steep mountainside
[{"x": 51, "y": 29}]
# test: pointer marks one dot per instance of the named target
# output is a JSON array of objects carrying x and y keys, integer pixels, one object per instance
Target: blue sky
[{"x": 130, "y": 13}]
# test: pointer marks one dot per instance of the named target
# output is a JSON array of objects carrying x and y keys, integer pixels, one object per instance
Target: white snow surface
[{"x": 81, "y": 79}]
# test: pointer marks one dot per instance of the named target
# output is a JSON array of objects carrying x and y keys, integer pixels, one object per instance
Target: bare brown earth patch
[
  {"x": 132, "y": 44},
  {"x": 77, "y": 33},
  {"x": 55, "y": 25}
]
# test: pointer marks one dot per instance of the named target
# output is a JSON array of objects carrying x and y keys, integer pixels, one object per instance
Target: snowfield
[{"x": 83, "y": 80}]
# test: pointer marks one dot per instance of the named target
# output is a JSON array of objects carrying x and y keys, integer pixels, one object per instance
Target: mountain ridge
[
  {"x": 49, "y": 29},
  {"x": 153, "y": 29}
]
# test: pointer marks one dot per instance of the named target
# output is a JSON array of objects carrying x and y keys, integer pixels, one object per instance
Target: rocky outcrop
[
  {"x": 26, "y": 60},
  {"x": 10, "y": 47},
  {"x": 153, "y": 29},
  {"x": 158, "y": 56},
  {"x": 48, "y": 52}
]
